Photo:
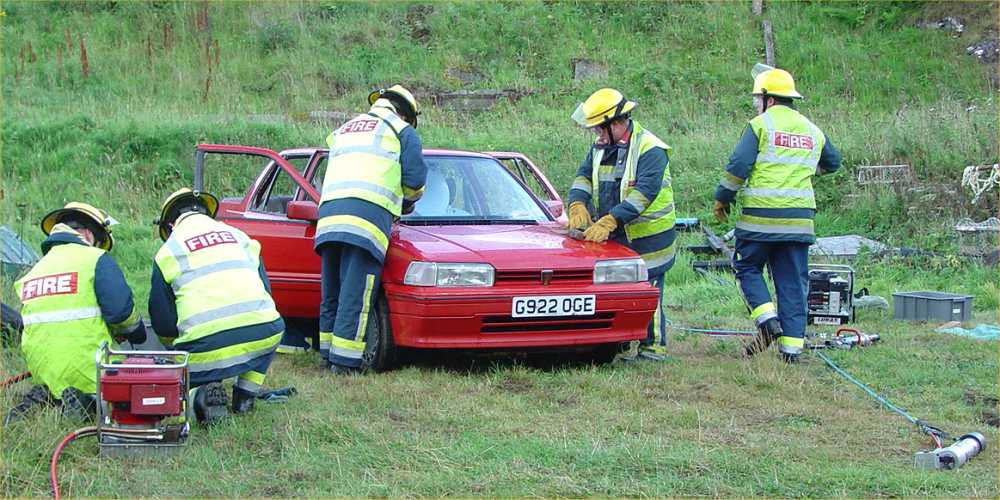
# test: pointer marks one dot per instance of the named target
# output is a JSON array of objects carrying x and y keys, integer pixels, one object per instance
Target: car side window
[
  {"x": 526, "y": 176},
  {"x": 318, "y": 173},
  {"x": 278, "y": 188},
  {"x": 275, "y": 193}
]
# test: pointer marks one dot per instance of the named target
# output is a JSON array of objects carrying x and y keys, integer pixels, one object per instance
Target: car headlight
[
  {"x": 444, "y": 274},
  {"x": 620, "y": 271}
]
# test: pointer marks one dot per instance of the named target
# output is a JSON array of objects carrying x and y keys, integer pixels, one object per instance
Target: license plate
[{"x": 553, "y": 305}]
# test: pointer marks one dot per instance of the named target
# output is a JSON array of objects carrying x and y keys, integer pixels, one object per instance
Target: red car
[{"x": 483, "y": 262}]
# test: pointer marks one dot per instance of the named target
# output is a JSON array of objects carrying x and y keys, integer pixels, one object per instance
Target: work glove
[
  {"x": 601, "y": 229},
  {"x": 579, "y": 217},
  {"x": 721, "y": 211}
]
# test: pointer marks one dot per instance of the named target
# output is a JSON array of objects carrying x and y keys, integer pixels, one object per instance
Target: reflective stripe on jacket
[
  {"x": 212, "y": 269},
  {"x": 364, "y": 160},
  {"x": 651, "y": 234},
  {"x": 63, "y": 326},
  {"x": 778, "y": 196}
]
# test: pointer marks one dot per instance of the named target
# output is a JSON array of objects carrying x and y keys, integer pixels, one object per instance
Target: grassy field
[{"x": 705, "y": 423}]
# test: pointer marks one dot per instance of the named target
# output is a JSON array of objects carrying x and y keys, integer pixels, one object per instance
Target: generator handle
[
  {"x": 104, "y": 352},
  {"x": 831, "y": 267}
]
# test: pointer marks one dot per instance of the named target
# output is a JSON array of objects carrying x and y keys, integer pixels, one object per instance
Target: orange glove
[
  {"x": 721, "y": 211},
  {"x": 601, "y": 229},
  {"x": 579, "y": 217}
]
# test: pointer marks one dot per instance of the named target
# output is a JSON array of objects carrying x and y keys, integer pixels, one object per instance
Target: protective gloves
[
  {"x": 721, "y": 211},
  {"x": 579, "y": 217},
  {"x": 601, "y": 229}
]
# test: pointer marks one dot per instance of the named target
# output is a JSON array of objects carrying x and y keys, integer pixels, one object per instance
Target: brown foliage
[
  {"x": 84, "y": 62},
  {"x": 202, "y": 23},
  {"x": 208, "y": 85},
  {"x": 168, "y": 36},
  {"x": 59, "y": 62}
]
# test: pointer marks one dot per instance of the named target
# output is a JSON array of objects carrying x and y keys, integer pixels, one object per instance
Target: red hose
[
  {"x": 15, "y": 379},
  {"x": 82, "y": 432}
]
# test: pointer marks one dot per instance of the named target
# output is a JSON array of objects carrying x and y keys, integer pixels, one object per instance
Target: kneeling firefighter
[
  {"x": 210, "y": 297},
  {"x": 375, "y": 173},
  {"x": 626, "y": 178},
  {"x": 72, "y": 300}
]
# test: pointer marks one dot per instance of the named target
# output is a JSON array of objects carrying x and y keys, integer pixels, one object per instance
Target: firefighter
[
  {"x": 209, "y": 296},
  {"x": 772, "y": 169},
  {"x": 72, "y": 300},
  {"x": 375, "y": 173},
  {"x": 625, "y": 181}
]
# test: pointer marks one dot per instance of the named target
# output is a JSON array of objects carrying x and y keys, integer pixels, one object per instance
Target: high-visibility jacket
[
  {"x": 364, "y": 164},
  {"x": 213, "y": 270},
  {"x": 364, "y": 160},
  {"x": 777, "y": 197},
  {"x": 63, "y": 326},
  {"x": 651, "y": 233}
]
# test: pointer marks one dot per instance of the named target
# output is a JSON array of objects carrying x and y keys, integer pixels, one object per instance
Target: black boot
[
  {"x": 210, "y": 402},
  {"x": 37, "y": 397},
  {"x": 77, "y": 405},
  {"x": 767, "y": 332},
  {"x": 344, "y": 370},
  {"x": 242, "y": 400}
]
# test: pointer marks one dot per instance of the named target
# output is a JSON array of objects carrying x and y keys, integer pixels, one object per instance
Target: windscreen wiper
[{"x": 451, "y": 221}]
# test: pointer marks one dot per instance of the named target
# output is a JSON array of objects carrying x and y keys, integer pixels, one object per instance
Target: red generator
[{"x": 142, "y": 401}]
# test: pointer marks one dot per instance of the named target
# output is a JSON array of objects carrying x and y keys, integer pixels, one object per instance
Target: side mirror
[
  {"x": 303, "y": 210},
  {"x": 555, "y": 207}
]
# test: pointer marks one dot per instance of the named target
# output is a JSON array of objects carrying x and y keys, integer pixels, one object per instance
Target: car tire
[
  {"x": 604, "y": 353},
  {"x": 381, "y": 353},
  {"x": 11, "y": 326}
]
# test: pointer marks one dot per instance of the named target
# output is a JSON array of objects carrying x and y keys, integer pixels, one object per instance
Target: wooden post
[{"x": 768, "y": 43}]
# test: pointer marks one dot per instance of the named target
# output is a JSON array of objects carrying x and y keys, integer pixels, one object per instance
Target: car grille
[
  {"x": 535, "y": 276},
  {"x": 507, "y": 324}
]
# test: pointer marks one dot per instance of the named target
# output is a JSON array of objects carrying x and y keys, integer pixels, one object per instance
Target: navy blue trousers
[
  {"x": 788, "y": 263},
  {"x": 351, "y": 278},
  {"x": 656, "y": 333}
]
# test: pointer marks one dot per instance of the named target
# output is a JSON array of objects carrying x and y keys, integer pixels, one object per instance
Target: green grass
[{"x": 707, "y": 423}]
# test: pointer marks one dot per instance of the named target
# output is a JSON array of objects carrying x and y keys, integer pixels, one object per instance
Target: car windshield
[{"x": 473, "y": 190}]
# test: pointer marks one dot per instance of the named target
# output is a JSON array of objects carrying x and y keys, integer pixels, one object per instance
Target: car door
[
  {"x": 286, "y": 242},
  {"x": 536, "y": 182}
]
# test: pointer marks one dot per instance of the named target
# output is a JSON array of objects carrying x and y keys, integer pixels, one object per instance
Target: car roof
[{"x": 427, "y": 152}]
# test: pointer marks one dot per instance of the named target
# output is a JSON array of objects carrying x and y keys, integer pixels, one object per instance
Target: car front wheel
[
  {"x": 604, "y": 353},
  {"x": 381, "y": 353}
]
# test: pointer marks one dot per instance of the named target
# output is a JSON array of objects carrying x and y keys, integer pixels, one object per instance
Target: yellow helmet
[
  {"x": 94, "y": 218},
  {"x": 776, "y": 82},
  {"x": 602, "y": 106},
  {"x": 402, "y": 96},
  {"x": 182, "y": 198}
]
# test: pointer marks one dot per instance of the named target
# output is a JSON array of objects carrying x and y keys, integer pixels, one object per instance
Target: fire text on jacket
[
  {"x": 55, "y": 284},
  {"x": 793, "y": 141},
  {"x": 203, "y": 241}
]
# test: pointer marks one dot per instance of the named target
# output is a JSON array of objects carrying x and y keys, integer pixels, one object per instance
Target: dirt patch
[
  {"x": 416, "y": 19},
  {"x": 987, "y": 406},
  {"x": 516, "y": 385},
  {"x": 975, "y": 21},
  {"x": 464, "y": 75}
]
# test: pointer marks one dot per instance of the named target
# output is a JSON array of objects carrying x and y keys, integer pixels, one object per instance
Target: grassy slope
[{"x": 705, "y": 424}]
